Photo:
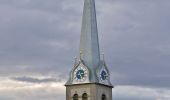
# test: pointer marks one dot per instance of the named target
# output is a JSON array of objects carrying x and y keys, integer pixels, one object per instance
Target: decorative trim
[{"x": 91, "y": 83}]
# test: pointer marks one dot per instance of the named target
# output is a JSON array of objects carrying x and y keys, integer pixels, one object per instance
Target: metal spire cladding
[{"x": 89, "y": 44}]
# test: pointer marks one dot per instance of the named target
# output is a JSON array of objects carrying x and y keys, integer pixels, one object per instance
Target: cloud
[
  {"x": 136, "y": 34},
  {"x": 22, "y": 90},
  {"x": 35, "y": 80},
  {"x": 140, "y": 93},
  {"x": 41, "y": 38},
  {"x": 25, "y": 90},
  {"x": 34, "y": 37}
]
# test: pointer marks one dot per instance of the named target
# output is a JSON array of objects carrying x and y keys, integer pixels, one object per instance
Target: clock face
[
  {"x": 103, "y": 75},
  {"x": 80, "y": 74}
]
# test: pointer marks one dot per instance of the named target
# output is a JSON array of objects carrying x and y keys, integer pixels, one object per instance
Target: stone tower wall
[{"x": 94, "y": 91}]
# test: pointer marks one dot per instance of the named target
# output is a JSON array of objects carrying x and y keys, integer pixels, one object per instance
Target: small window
[
  {"x": 75, "y": 97},
  {"x": 84, "y": 96},
  {"x": 103, "y": 97}
]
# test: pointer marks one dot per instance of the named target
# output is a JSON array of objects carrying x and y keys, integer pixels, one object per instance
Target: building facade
[{"x": 90, "y": 78}]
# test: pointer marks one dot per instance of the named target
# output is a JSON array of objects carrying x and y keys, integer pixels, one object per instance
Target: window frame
[
  {"x": 84, "y": 96},
  {"x": 75, "y": 97},
  {"x": 103, "y": 97}
]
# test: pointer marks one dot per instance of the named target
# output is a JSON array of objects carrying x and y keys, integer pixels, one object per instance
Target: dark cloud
[
  {"x": 137, "y": 38},
  {"x": 5, "y": 98},
  {"x": 40, "y": 37},
  {"x": 35, "y": 80},
  {"x": 35, "y": 37}
]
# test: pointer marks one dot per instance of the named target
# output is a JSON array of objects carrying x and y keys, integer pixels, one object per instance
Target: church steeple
[
  {"x": 89, "y": 68},
  {"x": 89, "y": 79},
  {"x": 89, "y": 44}
]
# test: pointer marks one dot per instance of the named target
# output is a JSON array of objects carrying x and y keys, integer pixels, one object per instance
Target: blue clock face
[
  {"x": 80, "y": 74},
  {"x": 104, "y": 75}
]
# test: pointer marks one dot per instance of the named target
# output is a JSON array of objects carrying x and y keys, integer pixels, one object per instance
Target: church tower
[{"x": 89, "y": 79}]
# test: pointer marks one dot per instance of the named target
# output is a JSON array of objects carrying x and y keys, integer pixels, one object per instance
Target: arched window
[
  {"x": 103, "y": 97},
  {"x": 75, "y": 97},
  {"x": 84, "y": 96}
]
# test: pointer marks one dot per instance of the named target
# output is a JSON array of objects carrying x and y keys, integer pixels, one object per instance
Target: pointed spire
[
  {"x": 89, "y": 57},
  {"x": 89, "y": 44}
]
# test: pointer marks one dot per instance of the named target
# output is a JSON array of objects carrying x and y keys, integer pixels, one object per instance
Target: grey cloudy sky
[{"x": 40, "y": 38}]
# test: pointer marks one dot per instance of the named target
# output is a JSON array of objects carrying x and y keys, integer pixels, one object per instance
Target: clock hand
[
  {"x": 79, "y": 74},
  {"x": 106, "y": 76}
]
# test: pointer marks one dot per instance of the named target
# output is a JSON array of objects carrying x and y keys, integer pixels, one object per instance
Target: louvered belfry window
[
  {"x": 75, "y": 97},
  {"x": 84, "y": 96}
]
